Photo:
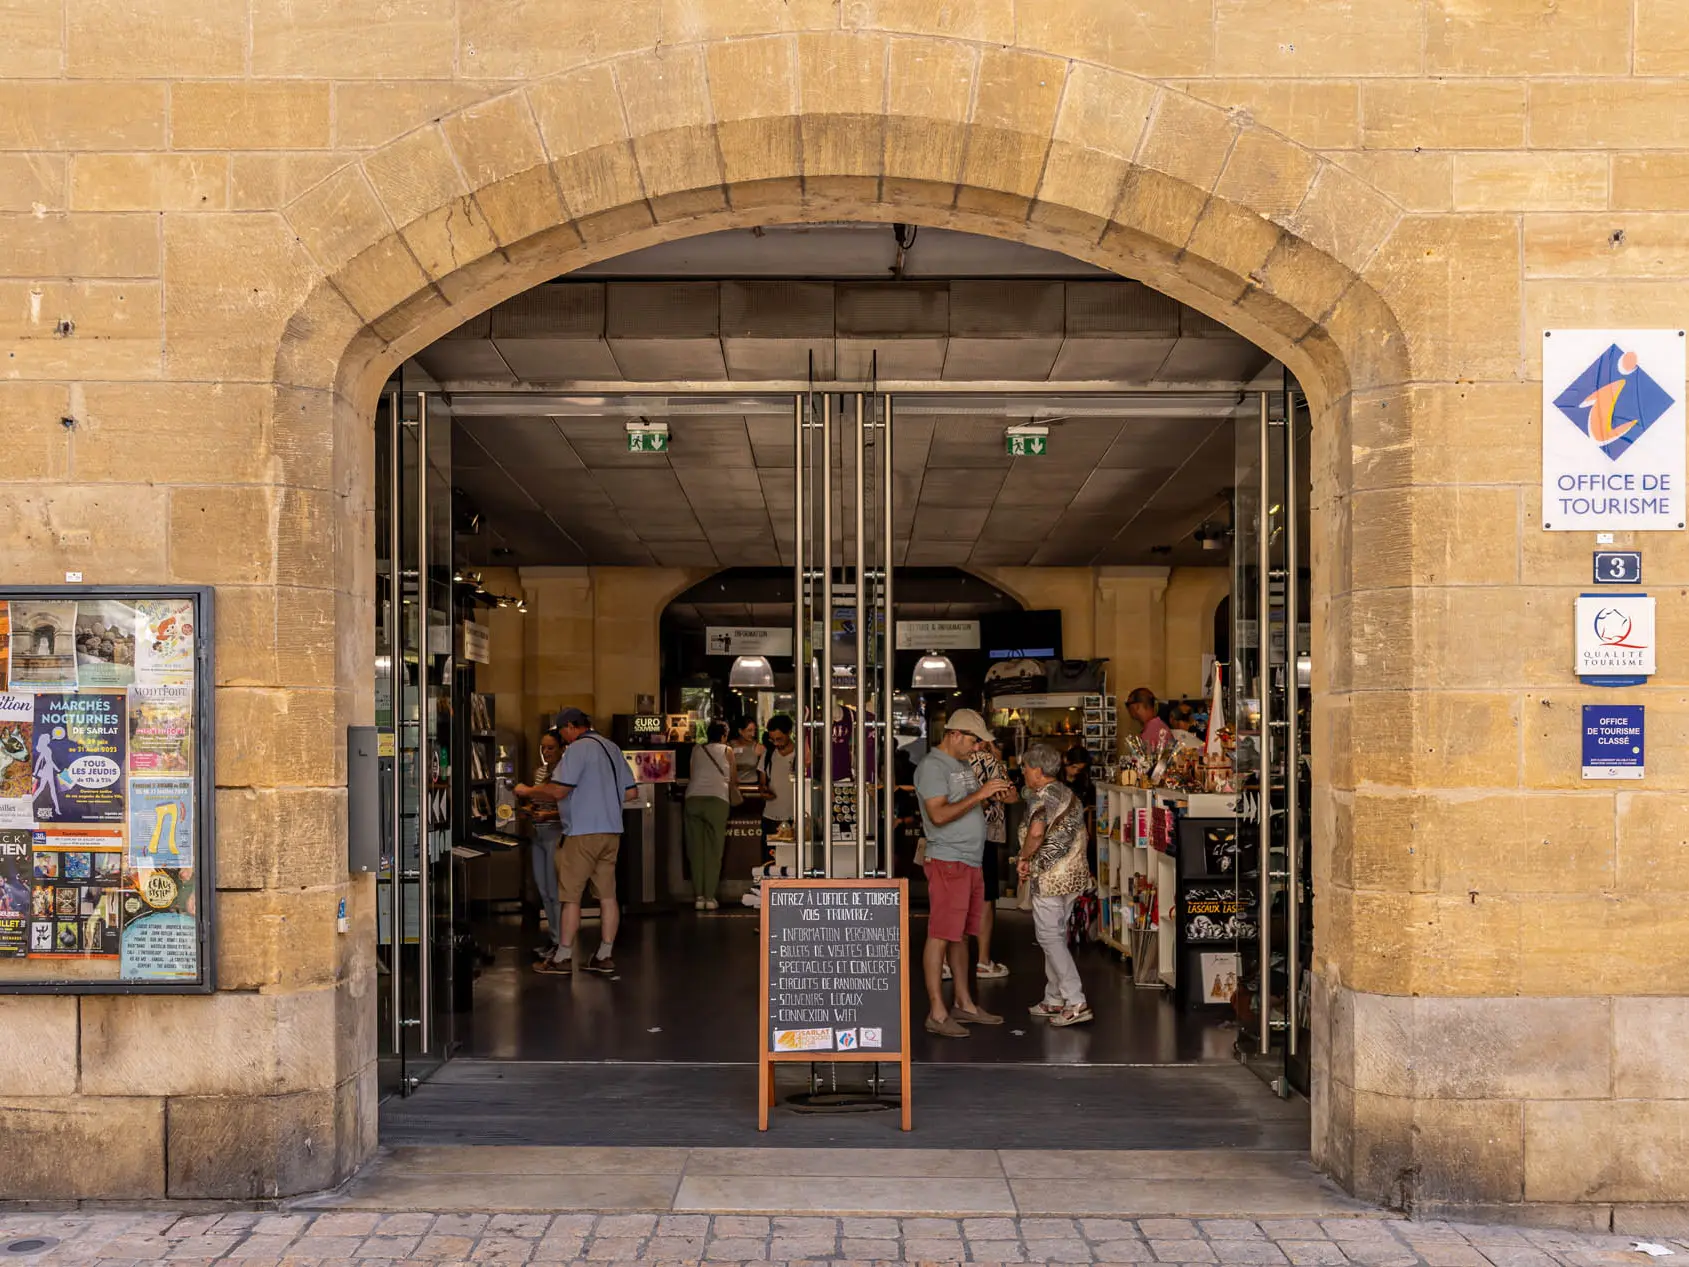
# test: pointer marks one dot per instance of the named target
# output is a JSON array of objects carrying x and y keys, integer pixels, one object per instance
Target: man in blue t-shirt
[
  {"x": 951, "y": 798},
  {"x": 594, "y": 783}
]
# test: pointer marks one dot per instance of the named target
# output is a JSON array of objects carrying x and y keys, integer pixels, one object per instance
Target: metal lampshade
[
  {"x": 933, "y": 672},
  {"x": 751, "y": 672}
]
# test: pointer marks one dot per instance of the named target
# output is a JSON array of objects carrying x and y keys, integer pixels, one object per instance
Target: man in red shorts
[{"x": 951, "y": 797}]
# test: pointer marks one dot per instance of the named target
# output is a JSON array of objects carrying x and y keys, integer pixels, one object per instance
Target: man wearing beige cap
[{"x": 951, "y": 798}]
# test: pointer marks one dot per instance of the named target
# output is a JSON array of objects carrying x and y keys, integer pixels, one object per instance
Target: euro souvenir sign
[
  {"x": 1613, "y": 430},
  {"x": 105, "y": 771}
]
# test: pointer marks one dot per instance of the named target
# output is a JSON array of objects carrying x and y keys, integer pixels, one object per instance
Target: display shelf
[{"x": 1137, "y": 856}]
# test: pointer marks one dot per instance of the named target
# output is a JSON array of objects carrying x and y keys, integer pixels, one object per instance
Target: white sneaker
[
  {"x": 710, "y": 904},
  {"x": 697, "y": 903}
]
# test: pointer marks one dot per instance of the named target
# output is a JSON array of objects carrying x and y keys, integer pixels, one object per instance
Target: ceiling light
[
  {"x": 933, "y": 672},
  {"x": 751, "y": 672}
]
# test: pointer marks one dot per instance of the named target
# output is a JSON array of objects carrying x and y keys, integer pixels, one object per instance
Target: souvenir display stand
[{"x": 1137, "y": 879}]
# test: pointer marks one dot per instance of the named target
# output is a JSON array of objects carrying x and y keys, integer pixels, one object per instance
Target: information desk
[{"x": 835, "y": 977}]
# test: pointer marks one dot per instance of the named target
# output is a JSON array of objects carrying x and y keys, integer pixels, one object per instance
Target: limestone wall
[{"x": 222, "y": 222}]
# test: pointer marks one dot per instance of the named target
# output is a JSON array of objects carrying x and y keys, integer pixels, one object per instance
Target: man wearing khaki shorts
[{"x": 596, "y": 781}]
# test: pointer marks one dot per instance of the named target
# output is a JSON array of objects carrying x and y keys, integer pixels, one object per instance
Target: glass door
[
  {"x": 413, "y": 707},
  {"x": 842, "y": 631}
]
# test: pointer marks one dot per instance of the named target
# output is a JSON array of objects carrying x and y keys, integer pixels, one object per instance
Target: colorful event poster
[
  {"x": 78, "y": 758},
  {"x": 43, "y": 640},
  {"x": 161, "y": 826},
  {"x": 161, "y": 947},
  {"x": 16, "y": 892},
  {"x": 105, "y": 644},
  {"x": 160, "y": 729},
  {"x": 17, "y": 781},
  {"x": 164, "y": 642}
]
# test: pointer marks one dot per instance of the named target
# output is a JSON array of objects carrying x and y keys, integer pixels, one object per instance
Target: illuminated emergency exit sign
[
  {"x": 1027, "y": 441},
  {"x": 648, "y": 437}
]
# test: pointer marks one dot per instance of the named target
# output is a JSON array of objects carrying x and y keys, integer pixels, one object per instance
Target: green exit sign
[
  {"x": 648, "y": 441},
  {"x": 1023, "y": 446}
]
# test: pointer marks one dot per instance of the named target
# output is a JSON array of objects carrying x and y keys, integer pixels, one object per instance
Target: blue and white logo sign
[
  {"x": 1613, "y": 430},
  {"x": 1615, "y": 639},
  {"x": 1612, "y": 741}
]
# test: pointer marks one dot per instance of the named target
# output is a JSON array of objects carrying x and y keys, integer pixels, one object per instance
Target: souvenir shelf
[{"x": 1137, "y": 879}]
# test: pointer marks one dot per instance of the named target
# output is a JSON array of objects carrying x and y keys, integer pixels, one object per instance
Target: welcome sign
[{"x": 1613, "y": 431}]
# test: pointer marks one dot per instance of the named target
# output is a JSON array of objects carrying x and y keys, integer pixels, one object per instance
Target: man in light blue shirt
[
  {"x": 953, "y": 819},
  {"x": 594, "y": 783}
]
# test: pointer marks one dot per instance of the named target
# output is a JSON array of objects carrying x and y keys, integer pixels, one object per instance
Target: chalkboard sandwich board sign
[{"x": 835, "y": 977}]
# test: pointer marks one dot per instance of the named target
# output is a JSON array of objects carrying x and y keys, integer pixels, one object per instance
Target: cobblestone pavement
[{"x": 505, "y": 1240}]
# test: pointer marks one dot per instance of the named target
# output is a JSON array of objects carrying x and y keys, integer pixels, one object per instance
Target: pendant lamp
[
  {"x": 933, "y": 672},
  {"x": 751, "y": 672}
]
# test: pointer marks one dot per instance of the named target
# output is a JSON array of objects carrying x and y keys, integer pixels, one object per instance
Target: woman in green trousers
[{"x": 707, "y": 799}]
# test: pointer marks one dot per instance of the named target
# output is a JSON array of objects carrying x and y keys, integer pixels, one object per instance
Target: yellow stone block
[
  {"x": 1584, "y": 114},
  {"x": 1529, "y": 182},
  {"x": 116, "y": 333},
  {"x": 984, "y": 21},
  {"x": 34, "y": 46},
  {"x": 78, "y": 245},
  {"x": 1414, "y": 181},
  {"x": 157, "y": 433},
  {"x": 1014, "y": 112},
  {"x": 447, "y": 239},
  {"x": 82, "y": 116},
  {"x": 1403, "y": 114},
  {"x": 121, "y": 1142},
  {"x": 1343, "y": 217},
  {"x": 37, "y": 441},
  {"x": 31, "y": 181},
  {"x": 1634, "y": 245},
  {"x": 246, "y": 648},
  {"x": 1527, "y": 37},
  {"x": 1188, "y": 139},
  {"x": 277, "y": 938},
  {"x": 495, "y": 139},
  {"x": 339, "y": 217},
  {"x": 1653, "y": 845},
  {"x": 1452, "y": 282},
  {"x": 579, "y": 112},
  {"x": 149, "y": 182},
  {"x": 1104, "y": 111},
  {"x": 1267, "y": 174},
  {"x": 929, "y": 91},
  {"x": 260, "y": 182},
  {"x": 1650, "y": 182},
  {"x": 37, "y": 1046},
  {"x": 269, "y": 838},
  {"x": 231, "y": 281},
  {"x": 110, "y": 535},
  {"x": 1662, "y": 38},
  {"x": 323, "y": 39},
  {"x": 709, "y": 20},
  {"x": 529, "y": 39},
  {"x": 1318, "y": 113},
  {"x": 415, "y": 175},
  {"x": 222, "y": 536},
  {"x": 1464, "y": 947},
  {"x": 1602, "y": 943},
  {"x": 1171, "y": 38},
  {"x": 1614, "y": 303},
  {"x": 109, "y": 39},
  {"x": 1312, "y": 39},
  {"x": 249, "y": 116},
  {"x": 368, "y": 113},
  {"x": 522, "y": 205},
  {"x": 1519, "y": 844}
]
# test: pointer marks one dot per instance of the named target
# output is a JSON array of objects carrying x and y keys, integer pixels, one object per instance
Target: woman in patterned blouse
[{"x": 1052, "y": 856}]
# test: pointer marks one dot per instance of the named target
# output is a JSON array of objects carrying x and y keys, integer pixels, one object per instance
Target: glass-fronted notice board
[{"x": 106, "y": 797}]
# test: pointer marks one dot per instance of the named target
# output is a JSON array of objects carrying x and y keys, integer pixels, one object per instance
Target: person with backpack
[
  {"x": 1052, "y": 858},
  {"x": 709, "y": 794}
]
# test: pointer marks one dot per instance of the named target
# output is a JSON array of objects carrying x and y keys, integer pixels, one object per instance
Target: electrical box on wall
[{"x": 363, "y": 800}]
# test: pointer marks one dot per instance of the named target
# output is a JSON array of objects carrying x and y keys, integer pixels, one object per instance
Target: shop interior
[{"x": 637, "y": 489}]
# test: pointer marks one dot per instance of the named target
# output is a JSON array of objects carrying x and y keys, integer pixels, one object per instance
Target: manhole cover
[{"x": 31, "y": 1245}]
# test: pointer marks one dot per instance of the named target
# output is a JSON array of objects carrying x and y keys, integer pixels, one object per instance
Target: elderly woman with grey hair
[{"x": 1052, "y": 856}]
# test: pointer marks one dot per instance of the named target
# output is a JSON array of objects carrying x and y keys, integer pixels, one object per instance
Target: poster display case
[{"x": 106, "y": 830}]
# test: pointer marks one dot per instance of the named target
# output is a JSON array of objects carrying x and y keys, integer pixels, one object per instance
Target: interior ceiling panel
[{"x": 556, "y": 484}]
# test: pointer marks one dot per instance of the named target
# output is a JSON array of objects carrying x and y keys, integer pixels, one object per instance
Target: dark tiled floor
[{"x": 687, "y": 992}]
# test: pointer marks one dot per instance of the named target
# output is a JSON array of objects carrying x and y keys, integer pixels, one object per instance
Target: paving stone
[
  {"x": 1504, "y": 1255},
  {"x": 740, "y": 1225},
  {"x": 799, "y": 1225},
  {"x": 1377, "y": 1254},
  {"x": 1167, "y": 1229},
  {"x": 624, "y": 1226},
  {"x": 996, "y": 1252},
  {"x": 674, "y": 1248},
  {"x": 990, "y": 1229},
  {"x": 1109, "y": 1229},
  {"x": 1230, "y": 1229},
  {"x": 528, "y": 1226},
  {"x": 1124, "y": 1251},
  {"x": 1315, "y": 1253},
  {"x": 506, "y": 1249},
  {"x": 410, "y": 1224},
  {"x": 924, "y": 1249},
  {"x": 930, "y": 1229},
  {"x": 868, "y": 1250},
  {"x": 683, "y": 1225},
  {"x": 352, "y": 1224},
  {"x": 438, "y": 1247},
  {"x": 1449, "y": 1254},
  {"x": 1191, "y": 1251},
  {"x": 794, "y": 1248},
  {"x": 611, "y": 1248},
  {"x": 460, "y": 1224},
  {"x": 1292, "y": 1229},
  {"x": 1052, "y": 1250},
  {"x": 1238, "y": 1251},
  {"x": 735, "y": 1249},
  {"x": 1047, "y": 1229},
  {"x": 870, "y": 1229},
  {"x": 1358, "y": 1230},
  {"x": 200, "y": 1224}
]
